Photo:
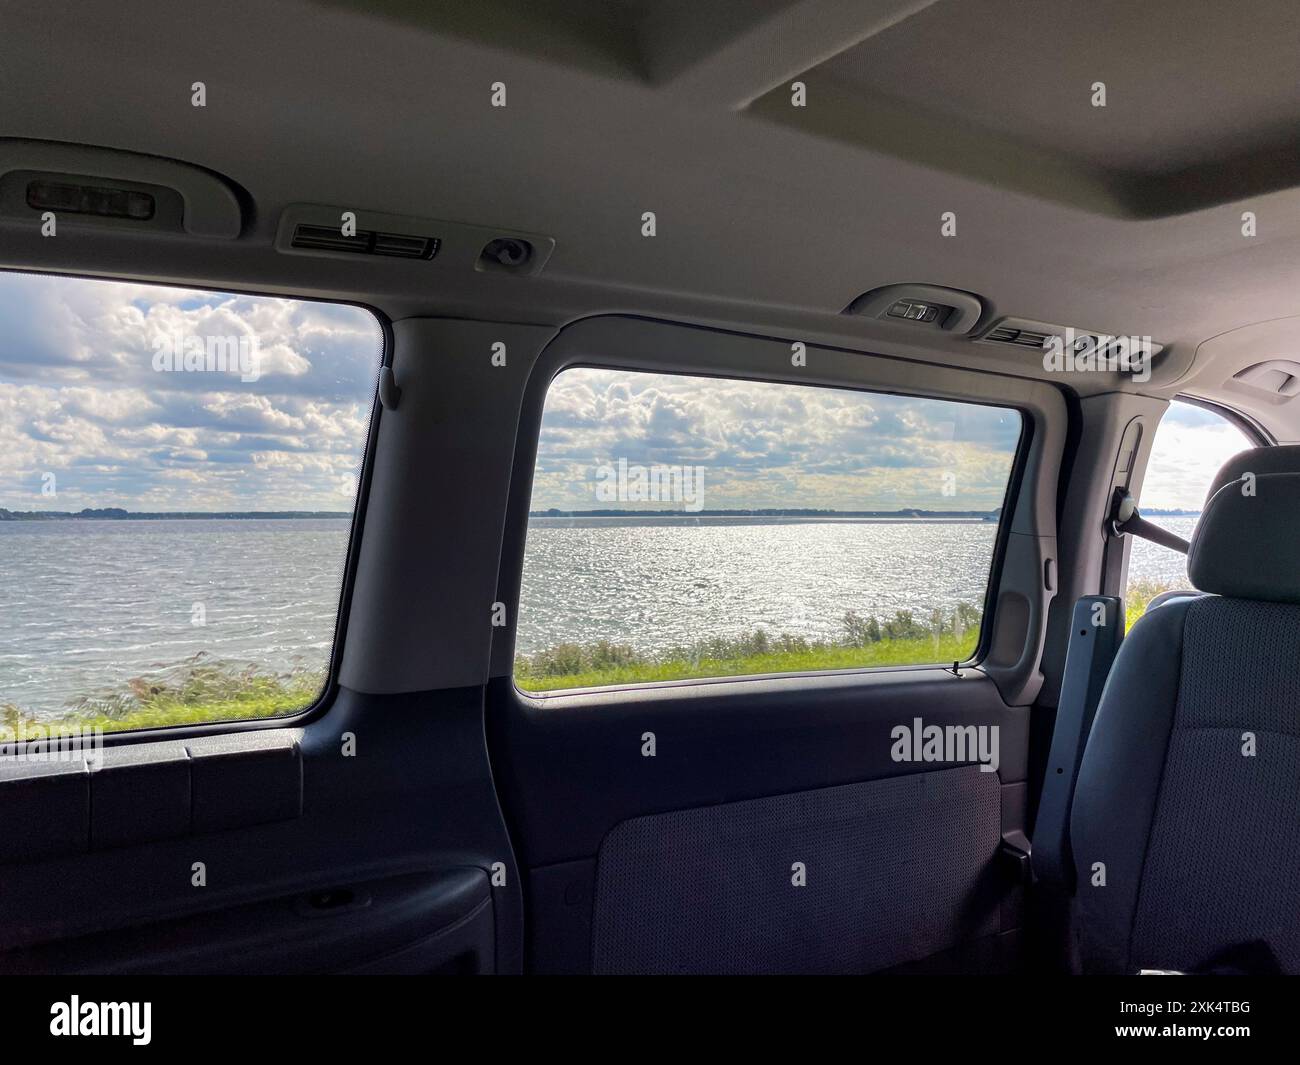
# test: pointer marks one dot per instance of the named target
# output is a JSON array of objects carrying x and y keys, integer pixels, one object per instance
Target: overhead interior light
[
  {"x": 931, "y": 307},
  {"x": 90, "y": 199},
  {"x": 914, "y": 311}
]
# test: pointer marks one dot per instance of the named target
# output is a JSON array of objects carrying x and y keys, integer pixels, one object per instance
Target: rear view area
[{"x": 649, "y": 489}]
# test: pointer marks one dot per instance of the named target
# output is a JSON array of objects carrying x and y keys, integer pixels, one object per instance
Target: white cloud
[
  {"x": 1190, "y": 446},
  {"x": 79, "y": 396},
  {"x": 769, "y": 445}
]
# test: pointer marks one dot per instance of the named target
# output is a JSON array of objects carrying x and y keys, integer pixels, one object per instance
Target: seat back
[{"x": 1186, "y": 815}]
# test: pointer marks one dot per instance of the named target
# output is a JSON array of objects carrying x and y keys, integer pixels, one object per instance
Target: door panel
[
  {"x": 684, "y": 861},
  {"x": 389, "y": 866},
  {"x": 899, "y": 871},
  {"x": 815, "y": 752},
  {"x": 420, "y": 923},
  {"x": 413, "y": 821},
  {"x": 365, "y": 836}
]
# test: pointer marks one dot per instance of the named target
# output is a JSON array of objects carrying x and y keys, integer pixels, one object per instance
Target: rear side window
[
  {"x": 685, "y": 527},
  {"x": 178, "y": 471},
  {"x": 1191, "y": 443}
]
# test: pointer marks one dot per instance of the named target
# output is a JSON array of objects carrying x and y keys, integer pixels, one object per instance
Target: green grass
[
  {"x": 202, "y": 689},
  {"x": 1140, "y": 593},
  {"x": 196, "y": 691},
  {"x": 945, "y": 649},
  {"x": 899, "y": 641}
]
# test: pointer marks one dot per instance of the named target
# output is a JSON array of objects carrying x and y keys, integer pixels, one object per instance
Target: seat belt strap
[
  {"x": 1125, "y": 520},
  {"x": 1095, "y": 637}
]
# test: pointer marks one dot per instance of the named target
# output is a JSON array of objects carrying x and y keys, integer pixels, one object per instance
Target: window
[
  {"x": 688, "y": 527},
  {"x": 177, "y": 473},
  {"x": 1191, "y": 443}
]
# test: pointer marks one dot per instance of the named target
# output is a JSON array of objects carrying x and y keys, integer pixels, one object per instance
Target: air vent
[
  {"x": 1067, "y": 348},
  {"x": 1023, "y": 333},
  {"x": 1025, "y": 338},
  {"x": 314, "y": 229},
  {"x": 364, "y": 242}
]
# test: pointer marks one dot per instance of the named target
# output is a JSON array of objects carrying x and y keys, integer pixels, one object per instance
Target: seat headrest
[
  {"x": 1284, "y": 458},
  {"x": 1247, "y": 543}
]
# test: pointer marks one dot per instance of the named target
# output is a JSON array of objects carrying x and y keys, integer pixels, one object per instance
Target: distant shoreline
[
  {"x": 910, "y": 513},
  {"x": 981, "y": 515},
  {"x": 114, "y": 514}
]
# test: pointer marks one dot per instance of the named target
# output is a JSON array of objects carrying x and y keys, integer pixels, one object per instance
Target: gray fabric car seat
[
  {"x": 1281, "y": 458},
  {"x": 1186, "y": 815}
]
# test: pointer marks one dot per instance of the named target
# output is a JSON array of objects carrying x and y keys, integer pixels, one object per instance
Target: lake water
[
  {"x": 85, "y": 606},
  {"x": 660, "y": 584},
  {"x": 1152, "y": 562}
]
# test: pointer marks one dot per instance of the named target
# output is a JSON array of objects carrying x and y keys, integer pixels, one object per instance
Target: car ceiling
[{"x": 1125, "y": 219}]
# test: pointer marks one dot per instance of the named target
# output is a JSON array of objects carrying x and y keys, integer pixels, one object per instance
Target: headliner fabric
[
  {"x": 1246, "y": 545},
  {"x": 897, "y": 870}
]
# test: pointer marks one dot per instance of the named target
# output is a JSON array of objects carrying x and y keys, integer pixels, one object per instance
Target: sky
[
  {"x": 1191, "y": 444},
  {"x": 84, "y": 406},
  {"x": 764, "y": 445}
]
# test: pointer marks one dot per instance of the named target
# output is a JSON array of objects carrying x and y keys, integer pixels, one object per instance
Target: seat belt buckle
[{"x": 1014, "y": 855}]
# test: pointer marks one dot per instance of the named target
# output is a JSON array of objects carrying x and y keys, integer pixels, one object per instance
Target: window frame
[
  {"x": 1250, "y": 428},
  {"x": 330, "y": 690},
  {"x": 567, "y": 351},
  {"x": 1114, "y": 577}
]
